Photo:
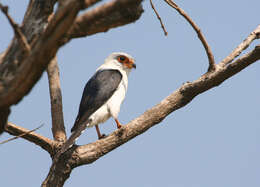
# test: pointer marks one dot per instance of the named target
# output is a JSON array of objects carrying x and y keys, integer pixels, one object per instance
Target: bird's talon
[{"x": 102, "y": 136}]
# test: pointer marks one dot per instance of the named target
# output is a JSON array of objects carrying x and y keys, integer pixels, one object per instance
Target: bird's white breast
[{"x": 112, "y": 107}]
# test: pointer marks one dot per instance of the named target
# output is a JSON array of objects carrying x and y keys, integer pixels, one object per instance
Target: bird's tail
[{"x": 73, "y": 137}]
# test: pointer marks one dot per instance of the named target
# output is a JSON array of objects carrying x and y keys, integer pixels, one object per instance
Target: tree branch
[
  {"x": 104, "y": 17},
  {"x": 58, "y": 128},
  {"x": 13, "y": 138},
  {"x": 17, "y": 31},
  {"x": 238, "y": 50},
  {"x": 212, "y": 65},
  {"x": 44, "y": 49},
  {"x": 34, "y": 23},
  {"x": 46, "y": 143},
  {"x": 159, "y": 18}
]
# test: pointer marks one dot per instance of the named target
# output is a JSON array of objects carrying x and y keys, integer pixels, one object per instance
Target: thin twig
[
  {"x": 238, "y": 50},
  {"x": 18, "y": 33},
  {"x": 58, "y": 128},
  {"x": 159, "y": 18},
  {"x": 21, "y": 135},
  {"x": 212, "y": 65}
]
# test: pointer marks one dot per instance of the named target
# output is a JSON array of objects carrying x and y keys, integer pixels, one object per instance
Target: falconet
[{"x": 102, "y": 96}]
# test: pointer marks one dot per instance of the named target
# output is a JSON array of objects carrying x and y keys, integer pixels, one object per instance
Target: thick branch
[
  {"x": 199, "y": 33},
  {"x": 34, "y": 22},
  {"x": 58, "y": 128},
  {"x": 104, "y": 17},
  {"x": 43, "y": 50},
  {"x": 33, "y": 137}
]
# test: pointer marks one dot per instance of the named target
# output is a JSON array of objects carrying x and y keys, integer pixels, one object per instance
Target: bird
[{"x": 102, "y": 96}]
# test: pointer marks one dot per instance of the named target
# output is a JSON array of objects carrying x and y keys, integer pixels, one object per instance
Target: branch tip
[{"x": 159, "y": 18}]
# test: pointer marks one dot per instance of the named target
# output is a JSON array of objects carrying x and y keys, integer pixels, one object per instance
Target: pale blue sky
[{"x": 213, "y": 141}]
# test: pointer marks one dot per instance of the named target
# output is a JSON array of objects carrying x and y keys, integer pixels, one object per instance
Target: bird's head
[{"x": 122, "y": 60}]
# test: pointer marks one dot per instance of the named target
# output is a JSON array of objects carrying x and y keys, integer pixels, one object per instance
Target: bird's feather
[{"x": 96, "y": 93}]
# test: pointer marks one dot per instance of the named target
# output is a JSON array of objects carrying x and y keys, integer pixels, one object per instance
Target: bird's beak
[{"x": 133, "y": 63}]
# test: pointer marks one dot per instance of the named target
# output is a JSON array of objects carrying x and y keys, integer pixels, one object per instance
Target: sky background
[{"x": 212, "y": 142}]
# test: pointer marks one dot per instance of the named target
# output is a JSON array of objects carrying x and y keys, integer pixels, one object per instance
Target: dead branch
[
  {"x": 46, "y": 143},
  {"x": 58, "y": 128},
  {"x": 199, "y": 33},
  {"x": 13, "y": 138},
  {"x": 159, "y": 18},
  {"x": 17, "y": 30},
  {"x": 238, "y": 50},
  {"x": 104, "y": 17}
]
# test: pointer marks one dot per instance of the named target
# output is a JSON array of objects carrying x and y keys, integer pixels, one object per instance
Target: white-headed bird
[{"x": 102, "y": 96}]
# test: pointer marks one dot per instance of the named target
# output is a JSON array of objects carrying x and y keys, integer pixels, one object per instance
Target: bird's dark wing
[{"x": 96, "y": 93}]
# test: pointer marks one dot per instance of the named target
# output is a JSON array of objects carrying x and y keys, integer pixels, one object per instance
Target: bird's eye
[{"x": 121, "y": 58}]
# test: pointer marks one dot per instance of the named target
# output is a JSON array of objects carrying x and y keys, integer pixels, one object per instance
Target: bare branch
[
  {"x": 58, "y": 128},
  {"x": 33, "y": 137},
  {"x": 237, "y": 51},
  {"x": 212, "y": 65},
  {"x": 13, "y": 138},
  {"x": 104, "y": 17},
  {"x": 159, "y": 18},
  {"x": 87, "y": 154},
  {"x": 18, "y": 33}
]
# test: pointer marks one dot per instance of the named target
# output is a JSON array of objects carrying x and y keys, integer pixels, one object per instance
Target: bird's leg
[
  {"x": 118, "y": 124},
  {"x": 100, "y": 136}
]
